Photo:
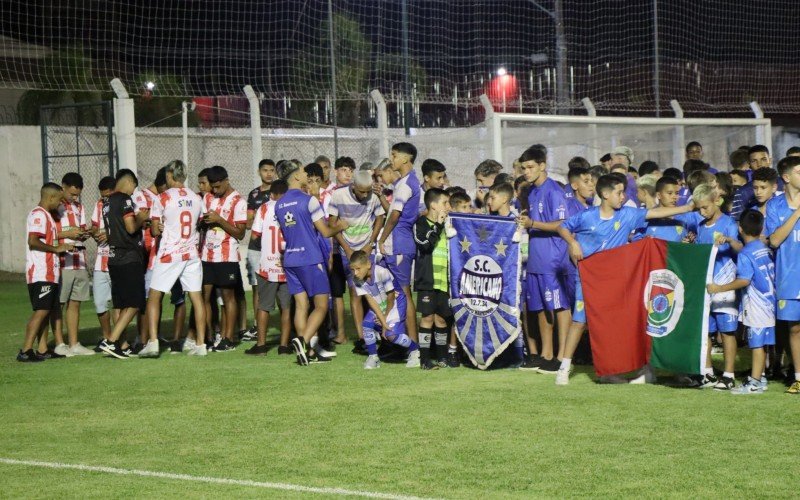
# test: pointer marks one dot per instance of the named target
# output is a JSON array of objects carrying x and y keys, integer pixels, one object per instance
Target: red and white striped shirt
[
  {"x": 219, "y": 246},
  {"x": 180, "y": 210},
  {"x": 101, "y": 262},
  {"x": 42, "y": 266},
  {"x": 144, "y": 199},
  {"x": 266, "y": 227},
  {"x": 72, "y": 215}
]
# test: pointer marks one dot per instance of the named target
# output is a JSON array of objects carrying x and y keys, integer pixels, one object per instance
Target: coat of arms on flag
[{"x": 484, "y": 284}]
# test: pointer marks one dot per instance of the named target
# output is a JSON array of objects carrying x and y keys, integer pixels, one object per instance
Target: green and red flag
[{"x": 647, "y": 301}]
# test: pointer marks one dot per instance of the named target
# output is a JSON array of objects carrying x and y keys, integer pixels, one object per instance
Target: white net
[
  {"x": 663, "y": 144},
  {"x": 713, "y": 56}
]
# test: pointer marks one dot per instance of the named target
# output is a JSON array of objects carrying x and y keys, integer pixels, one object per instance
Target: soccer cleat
[
  {"x": 299, "y": 346},
  {"x": 63, "y": 350},
  {"x": 113, "y": 350},
  {"x": 562, "y": 377},
  {"x": 321, "y": 350},
  {"x": 224, "y": 345},
  {"x": 794, "y": 388},
  {"x": 29, "y": 356},
  {"x": 764, "y": 383},
  {"x": 97, "y": 347},
  {"x": 549, "y": 366},
  {"x": 198, "y": 350},
  {"x": 217, "y": 339},
  {"x": 428, "y": 365},
  {"x": 318, "y": 358},
  {"x": 284, "y": 349},
  {"x": 188, "y": 345},
  {"x": 750, "y": 386},
  {"x": 708, "y": 381},
  {"x": 249, "y": 335},
  {"x": 51, "y": 354},
  {"x": 725, "y": 384},
  {"x": 532, "y": 363},
  {"x": 452, "y": 360},
  {"x": 257, "y": 350},
  {"x": 372, "y": 362},
  {"x": 413, "y": 359},
  {"x": 150, "y": 350},
  {"x": 80, "y": 350},
  {"x": 442, "y": 363}
]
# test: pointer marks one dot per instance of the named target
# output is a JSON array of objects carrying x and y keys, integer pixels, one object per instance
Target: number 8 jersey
[{"x": 180, "y": 210}]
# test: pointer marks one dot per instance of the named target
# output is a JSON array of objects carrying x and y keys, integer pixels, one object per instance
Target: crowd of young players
[{"x": 377, "y": 233}]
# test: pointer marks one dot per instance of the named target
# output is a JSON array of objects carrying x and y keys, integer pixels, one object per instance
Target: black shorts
[
  {"x": 434, "y": 302},
  {"x": 44, "y": 296},
  {"x": 127, "y": 285},
  {"x": 338, "y": 277},
  {"x": 222, "y": 274}
]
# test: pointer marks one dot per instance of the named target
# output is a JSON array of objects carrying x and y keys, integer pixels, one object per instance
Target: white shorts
[
  {"x": 166, "y": 274},
  {"x": 101, "y": 289}
]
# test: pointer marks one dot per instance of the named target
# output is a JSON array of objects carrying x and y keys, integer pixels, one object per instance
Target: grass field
[{"x": 455, "y": 433}]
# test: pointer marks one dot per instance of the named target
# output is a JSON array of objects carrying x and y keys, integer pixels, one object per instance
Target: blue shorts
[
  {"x": 760, "y": 337},
  {"x": 397, "y": 324},
  {"x": 722, "y": 323},
  {"x": 579, "y": 309},
  {"x": 788, "y": 310},
  {"x": 549, "y": 292},
  {"x": 400, "y": 267},
  {"x": 311, "y": 280}
]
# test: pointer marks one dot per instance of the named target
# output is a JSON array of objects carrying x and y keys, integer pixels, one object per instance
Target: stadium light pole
[{"x": 557, "y": 15}]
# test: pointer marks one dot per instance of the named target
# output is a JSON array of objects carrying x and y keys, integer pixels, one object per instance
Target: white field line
[{"x": 208, "y": 479}]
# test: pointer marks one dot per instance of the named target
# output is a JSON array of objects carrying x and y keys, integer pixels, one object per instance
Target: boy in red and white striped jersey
[
  {"x": 74, "y": 286},
  {"x": 226, "y": 222},
  {"x": 175, "y": 215},
  {"x": 101, "y": 281},
  {"x": 43, "y": 269}
]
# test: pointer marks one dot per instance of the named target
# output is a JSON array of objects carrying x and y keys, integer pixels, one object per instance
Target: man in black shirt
[
  {"x": 126, "y": 259},
  {"x": 257, "y": 197}
]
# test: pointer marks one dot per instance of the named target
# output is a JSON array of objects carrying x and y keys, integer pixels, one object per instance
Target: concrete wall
[{"x": 20, "y": 180}]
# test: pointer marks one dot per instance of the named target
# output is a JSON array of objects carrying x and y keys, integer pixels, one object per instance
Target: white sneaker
[
  {"x": 413, "y": 359},
  {"x": 199, "y": 350},
  {"x": 80, "y": 350},
  {"x": 150, "y": 350},
  {"x": 372, "y": 362},
  {"x": 319, "y": 350},
  {"x": 562, "y": 377},
  {"x": 638, "y": 380},
  {"x": 63, "y": 350},
  {"x": 188, "y": 345}
]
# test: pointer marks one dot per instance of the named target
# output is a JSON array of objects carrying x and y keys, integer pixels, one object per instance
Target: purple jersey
[
  {"x": 547, "y": 252},
  {"x": 296, "y": 213},
  {"x": 405, "y": 200}
]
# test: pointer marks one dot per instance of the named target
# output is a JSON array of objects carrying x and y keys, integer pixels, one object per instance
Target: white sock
[
  {"x": 797, "y": 376},
  {"x": 727, "y": 374},
  {"x": 566, "y": 363}
]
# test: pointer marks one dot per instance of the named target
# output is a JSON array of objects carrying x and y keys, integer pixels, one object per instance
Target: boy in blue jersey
[
  {"x": 396, "y": 243},
  {"x": 434, "y": 175},
  {"x": 765, "y": 185},
  {"x": 600, "y": 228},
  {"x": 387, "y": 309},
  {"x": 302, "y": 221},
  {"x": 678, "y": 228},
  {"x": 716, "y": 228},
  {"x": 755, "y": 272},
  {"x": 783, "y": 231},
  {"x": 580, "y": 190},
  {"x": 549, "y": 293}
]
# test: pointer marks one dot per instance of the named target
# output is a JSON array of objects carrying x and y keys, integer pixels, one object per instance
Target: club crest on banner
[{"x": 663, "y": 299}]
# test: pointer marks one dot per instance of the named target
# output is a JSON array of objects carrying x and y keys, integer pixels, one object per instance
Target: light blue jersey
[
  {"x": 673, "y": 229},
  {"x": 758, "y": 302},
  {"x": 595, "y": 233},
  {"x": 787, "y": 255}
]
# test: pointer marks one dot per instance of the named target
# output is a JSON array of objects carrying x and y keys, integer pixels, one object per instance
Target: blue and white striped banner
[{"x": 484, "y": 284}]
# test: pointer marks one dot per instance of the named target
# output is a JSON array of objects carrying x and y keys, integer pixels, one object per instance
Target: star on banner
[
  {"x": 465, "y": 244},
  {"x": 483, "y": 233},
  {"x": 501, "y": 248}
]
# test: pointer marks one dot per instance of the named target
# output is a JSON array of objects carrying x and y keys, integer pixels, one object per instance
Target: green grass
[{"x": 451, "y": 434}]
